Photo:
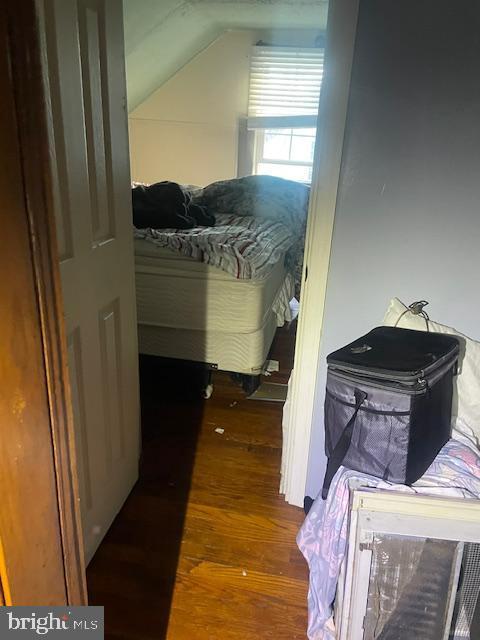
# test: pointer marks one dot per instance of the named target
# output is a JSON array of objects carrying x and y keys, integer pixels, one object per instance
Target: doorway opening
[
  {"x": 234, "y": 130},
  {"x": 222, "y": 137}
]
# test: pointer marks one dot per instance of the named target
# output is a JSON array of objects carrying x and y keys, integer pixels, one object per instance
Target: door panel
[
  {"x": 77, "y": 387},
  {"x": 86, "y": 78},
  {"x": 93, "y": 71}
]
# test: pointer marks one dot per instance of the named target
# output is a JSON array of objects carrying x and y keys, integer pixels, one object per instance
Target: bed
[{"x": 214, "y": 295}]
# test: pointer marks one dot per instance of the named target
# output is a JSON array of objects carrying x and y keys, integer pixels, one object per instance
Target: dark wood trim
[
  {"x": 29, "y": 100},
  {"x": 5, "y": 597}
]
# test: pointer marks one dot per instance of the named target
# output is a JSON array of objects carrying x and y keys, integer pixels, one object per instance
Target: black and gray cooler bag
[{"x": 388, "y": 403}]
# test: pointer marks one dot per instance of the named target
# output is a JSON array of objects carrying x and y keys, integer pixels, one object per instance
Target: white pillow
[{"x": 466, "y": 394}]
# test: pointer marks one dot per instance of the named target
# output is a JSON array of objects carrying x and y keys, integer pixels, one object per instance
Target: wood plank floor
[{"x": 204, "y": 546}]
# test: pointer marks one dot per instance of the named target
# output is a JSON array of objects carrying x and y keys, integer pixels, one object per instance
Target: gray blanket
[{"x": 270, "y": 197}]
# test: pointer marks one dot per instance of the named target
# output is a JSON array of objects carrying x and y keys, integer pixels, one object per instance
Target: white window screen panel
[{"x": 285, "y": 81}]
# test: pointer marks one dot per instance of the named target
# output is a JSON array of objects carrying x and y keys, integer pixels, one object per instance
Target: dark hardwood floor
[{"x": 204, "y": 546}]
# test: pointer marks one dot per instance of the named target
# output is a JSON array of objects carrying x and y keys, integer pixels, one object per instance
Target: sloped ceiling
[{"x": 161, "y": 36}]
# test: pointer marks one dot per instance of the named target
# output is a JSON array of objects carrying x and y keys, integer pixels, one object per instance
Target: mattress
[{"x": 177, "y": 292}]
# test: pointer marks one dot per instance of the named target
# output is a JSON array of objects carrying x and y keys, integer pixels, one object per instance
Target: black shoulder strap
[{"x": 343, "y": 445}]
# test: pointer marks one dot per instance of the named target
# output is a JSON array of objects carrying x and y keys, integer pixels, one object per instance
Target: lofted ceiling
[{"x": 161, "y": 36}]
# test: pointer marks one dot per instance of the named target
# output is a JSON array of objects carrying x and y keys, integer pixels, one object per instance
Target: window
[
  {"x": 285, "y": 85},
  {"x": 286, "y": 153}
]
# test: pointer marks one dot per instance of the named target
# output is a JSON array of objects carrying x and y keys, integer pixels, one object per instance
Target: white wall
[
  {"x": 408, "y": 212},
  {"x": 187, "y": 130}
]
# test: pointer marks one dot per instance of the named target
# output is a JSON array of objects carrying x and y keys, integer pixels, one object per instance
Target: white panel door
[{"x": 84, "y": 69}]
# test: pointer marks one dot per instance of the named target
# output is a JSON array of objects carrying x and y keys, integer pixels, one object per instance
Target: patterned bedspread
[
  {"x": 246, "y": 247},
  {"x": 322, "y": 539}
]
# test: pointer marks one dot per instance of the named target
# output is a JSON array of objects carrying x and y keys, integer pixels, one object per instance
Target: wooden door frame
[
  {"x": 298, "y": 417},
  {"x": 26, "y": 87}
]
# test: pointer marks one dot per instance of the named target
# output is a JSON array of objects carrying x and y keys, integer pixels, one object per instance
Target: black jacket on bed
[{"x": 165, "y": 205}]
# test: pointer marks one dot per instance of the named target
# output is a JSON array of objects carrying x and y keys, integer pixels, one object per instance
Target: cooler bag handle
[
  {"x": 417, "y": 308},
  {"x": 343, "y": 444}
]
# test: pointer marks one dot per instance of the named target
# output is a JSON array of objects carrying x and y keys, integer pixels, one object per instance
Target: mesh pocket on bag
[{"x": 380, "y": 437}]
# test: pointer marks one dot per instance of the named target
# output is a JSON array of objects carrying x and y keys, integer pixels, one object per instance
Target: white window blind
[{"x": 285, "y": 82}]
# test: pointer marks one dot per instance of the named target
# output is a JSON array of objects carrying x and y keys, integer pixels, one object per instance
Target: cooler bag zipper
[
  {"x": 385, "y": 374},
  {"x": 398, "y": 386}
]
